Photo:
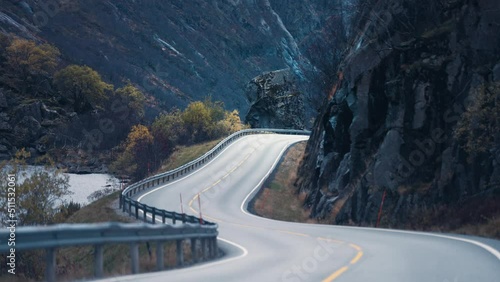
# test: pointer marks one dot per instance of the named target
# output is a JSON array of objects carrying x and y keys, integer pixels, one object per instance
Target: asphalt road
[{"x": 259, "y": 249}]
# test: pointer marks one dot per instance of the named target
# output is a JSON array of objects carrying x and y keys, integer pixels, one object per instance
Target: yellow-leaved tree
[
  {"x": 137, "y": 157},
  {"x": 133, "y": 98},
  {"x": 29, "y": 65},
  {"x": 83, "y": 87}
]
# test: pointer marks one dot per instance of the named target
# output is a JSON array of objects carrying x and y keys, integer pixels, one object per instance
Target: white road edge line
[
  {"x": 486, "y": 247},
  {"x": 189, "y": 268},
  {"x": 244, "y": 206}
]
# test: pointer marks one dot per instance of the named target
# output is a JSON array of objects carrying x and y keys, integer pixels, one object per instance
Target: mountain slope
[{"x": 178, "y": 51}]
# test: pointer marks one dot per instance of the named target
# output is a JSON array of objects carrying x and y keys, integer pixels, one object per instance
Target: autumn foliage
[
  {"x": 83, "y": 87},
  {"x": 145, "y": 148}
]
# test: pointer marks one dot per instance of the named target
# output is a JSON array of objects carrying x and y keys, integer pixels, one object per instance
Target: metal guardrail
[
  {"x": 203, "y": 234},
  {"x": 168, "y": 176},
  {"x": 133, "y": 208},
  {"x": 203, "y": 240}
]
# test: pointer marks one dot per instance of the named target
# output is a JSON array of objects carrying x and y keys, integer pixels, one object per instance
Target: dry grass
[
  {"x": 278, "y": 198},
  {"x": 478, "y": 216},
  {"x": 182, "y": 155},
  {"x": 490, "y": 228}
]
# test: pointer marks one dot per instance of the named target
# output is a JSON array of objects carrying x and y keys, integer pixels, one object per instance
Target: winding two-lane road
[{"x": 259, "y": 249}]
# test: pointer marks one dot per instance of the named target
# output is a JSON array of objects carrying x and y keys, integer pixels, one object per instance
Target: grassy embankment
[
  {"x": 184, "y": 154},
  {"x": 279, "y": 200}
]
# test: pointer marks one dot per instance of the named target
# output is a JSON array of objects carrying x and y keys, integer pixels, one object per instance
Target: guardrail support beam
[
  {"x": 180, "y": 253},
  {"x": 134, "y": 255},
  {"x": 204, "y": 248},
  {"x": 194, "y": 253},
  {"x": 50, "y": 269},
  {"x": 159, "y": 256},
  {"x": 98, "y": 261},
  {"x": 214, "y": 247}
]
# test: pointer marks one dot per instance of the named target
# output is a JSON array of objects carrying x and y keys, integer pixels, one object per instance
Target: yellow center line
[
  {"x": 356, "y": 259},
  {"x": 330, "y": 278},
  {"x": 358, "y": 248},
  {"x": 336, "y": 274},
  {"x": 293, "y": 233},
  {"x": 339, "y": 272},
  {"x": 190, "y": 204}
]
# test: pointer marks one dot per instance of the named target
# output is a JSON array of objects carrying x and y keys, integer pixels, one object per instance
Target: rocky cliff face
[
  {"x": 176, "y": 50},
  {"x": 388, "y": 123}
]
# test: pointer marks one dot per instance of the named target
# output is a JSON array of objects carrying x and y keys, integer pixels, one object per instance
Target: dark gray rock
[
  {"x": 421, "y": 104},
  {"x": 30, "y": 110},
  {"x": 275, "y": 101},
  {"x": 27, "y": 131},
  {"x": 5, "y": 123},
  {"x": 3, "y": 149},
  {"x": 3, "y": 100},
  {"x": 389, "y": 124},
  {"x": 48, "y": 114},
  {"x": 496, "y": 72},
  {"x": 387, "y": 161}
]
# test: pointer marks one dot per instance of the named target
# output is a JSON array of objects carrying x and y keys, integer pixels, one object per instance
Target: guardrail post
[
  {"x": 204, "y": 247},
  {"x": 154, "y": 215},
  {"x": 183, "y": 218},
  {"x": 213, "y": 244},
  {"x": 159, "y": 256},
  {"x": 98, "y": 261},
  {"x": 130, "y": 207},
  {"x": 194, "y": 253},
  {"x": 50, "y": 269},
  {"x": 144, "y": 213},
  {"x": 136, "y": 211},
  {"x": 123, "y": 206},
  {"x": 163, "y": 216},
  {"x": 180, "y": 253},
  {"x": 134, "y": 255},
  {"x": 210, "y": 247}
]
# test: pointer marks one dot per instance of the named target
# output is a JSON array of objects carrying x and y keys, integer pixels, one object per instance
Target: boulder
[
  {"x": 275, "y": 101},
  {"x": 33, "y": 110},
  {"x": 27, "y": 130}
]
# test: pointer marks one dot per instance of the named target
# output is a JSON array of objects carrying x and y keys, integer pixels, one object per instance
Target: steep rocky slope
[
  {"x": 388, "y": 123},
  {"x": 176, "y": 50}
]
